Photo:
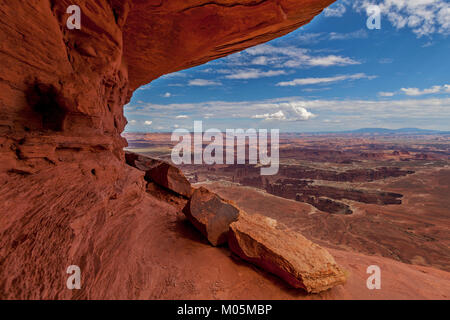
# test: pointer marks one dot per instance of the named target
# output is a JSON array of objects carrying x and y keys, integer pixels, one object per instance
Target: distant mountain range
[
  {"x": 395, "y": 131},
  {"x": 374, "y": 131}
]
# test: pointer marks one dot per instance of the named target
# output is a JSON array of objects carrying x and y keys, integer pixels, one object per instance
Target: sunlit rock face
[{"x": 67, "y": 196}]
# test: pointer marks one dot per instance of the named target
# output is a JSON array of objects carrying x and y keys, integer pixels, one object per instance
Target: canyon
[
  {"x": 68, "y": 196},
  {"x": 383, "y": 206}
]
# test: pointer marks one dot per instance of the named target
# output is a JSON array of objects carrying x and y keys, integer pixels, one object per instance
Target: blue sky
[{"x": 330, "y": 75}]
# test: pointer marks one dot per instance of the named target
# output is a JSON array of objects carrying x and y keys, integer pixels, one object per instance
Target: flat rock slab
[
  {"x": 286, "y": 253},
  {"x": 211, "y": 215},
  {"x": 161, "y": 173}
]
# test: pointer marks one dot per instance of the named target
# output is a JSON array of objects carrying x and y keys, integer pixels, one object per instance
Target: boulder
[
  {"x": 161, "y": 173},
  {"x": 286, "y": 253},
  {"x": 211, "y": 215}
]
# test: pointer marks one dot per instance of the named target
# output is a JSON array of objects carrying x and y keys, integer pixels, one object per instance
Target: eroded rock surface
[
  {"x": 167, "y": 36},
  {"x": 286, "y": 253}
]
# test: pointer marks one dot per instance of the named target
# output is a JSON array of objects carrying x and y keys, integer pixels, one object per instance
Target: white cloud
[
  {"x": 175, "y": 85},
  {"x": 285, "y": 57},
  {"x": 332, "y": 60},
  {"x": 204, "y": 83},
  {"x": 316, "y": 89},
  {"x": 418, "y": 92},
  {"x": 359, "y": 34},
  {"x": 312, "y": 81},
  {"x": 297, "y": 112},
  {"x": 429, "y": 113},
  {"x": 310, "y": 37},
  {"x": 337, "y": 10},
  {"x": 261, "y": 60},
  {"x": 254, "y": 74},
  {"x": 182, "y": 116},
  {"x": 279, "y": 115},
  {"x": 148, "y": 123},
  {"x": 289, "y": 111},
  {"x": 167, "y": 95}
]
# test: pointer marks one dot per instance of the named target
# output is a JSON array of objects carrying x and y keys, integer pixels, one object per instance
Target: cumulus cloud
[
  {"x": 279, "y": 115},
  {"x": 148, "y": 122},
  {"x": 289, "y": 111},
  {"x": 312, "y": 81},
  {"x": 167, "y": 95},
  {"x": 297, "y": 112},
  {"x": 204, "y": 82}
]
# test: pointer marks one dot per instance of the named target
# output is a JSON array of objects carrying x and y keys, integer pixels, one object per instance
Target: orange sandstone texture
[
  {"x": 285, "y": 253},
  {"x": 166, "y": 36}
]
